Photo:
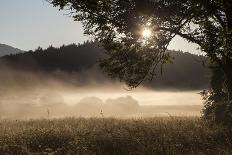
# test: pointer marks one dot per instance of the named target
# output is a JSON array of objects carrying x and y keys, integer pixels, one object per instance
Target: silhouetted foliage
[
  {"x": 218, "y": 103},
  {"x": 185, "y": 73},
  {"x": 117, "y": 24},
  {"x": 68, "y": 58}
]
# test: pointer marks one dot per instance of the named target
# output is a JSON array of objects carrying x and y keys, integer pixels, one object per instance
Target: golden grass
[{"x": 109, "y": 136}]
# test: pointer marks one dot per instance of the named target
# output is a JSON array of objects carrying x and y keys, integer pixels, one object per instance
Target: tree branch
[{"x": 185, "y": 36}]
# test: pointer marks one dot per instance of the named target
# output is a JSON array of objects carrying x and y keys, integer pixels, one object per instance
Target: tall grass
[{"x": 109, "y": 136}]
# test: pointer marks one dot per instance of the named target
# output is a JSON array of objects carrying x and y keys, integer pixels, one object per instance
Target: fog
[{"x": 25, "y": 95}]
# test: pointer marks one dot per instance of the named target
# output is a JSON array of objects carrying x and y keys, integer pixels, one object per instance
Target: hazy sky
[{"x": 27, "y": 24}]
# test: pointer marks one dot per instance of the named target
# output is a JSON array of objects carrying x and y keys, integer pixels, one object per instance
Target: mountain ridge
[{"x": 7, "y": 50}]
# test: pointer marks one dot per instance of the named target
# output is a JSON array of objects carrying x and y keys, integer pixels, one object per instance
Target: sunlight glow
[{"x": 146, "y": 33}]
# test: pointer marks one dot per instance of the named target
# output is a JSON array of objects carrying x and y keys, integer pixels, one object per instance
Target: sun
[{"x": 146, "y": 33}]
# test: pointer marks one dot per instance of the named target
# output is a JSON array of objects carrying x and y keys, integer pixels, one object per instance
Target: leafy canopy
[{"x": 117, "y": 24}]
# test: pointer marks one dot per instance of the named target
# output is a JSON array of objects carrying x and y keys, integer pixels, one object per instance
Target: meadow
[{"x": 111, "y": 136}]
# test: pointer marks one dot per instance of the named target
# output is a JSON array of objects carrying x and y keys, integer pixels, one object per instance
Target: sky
[{"x": 28, "y": 24}]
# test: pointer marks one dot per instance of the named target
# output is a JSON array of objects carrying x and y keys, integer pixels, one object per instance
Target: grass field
[{"x": 109, "y": 136}]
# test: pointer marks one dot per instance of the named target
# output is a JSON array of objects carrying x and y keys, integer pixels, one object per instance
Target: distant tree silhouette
[
  {"x": 67, "y": 58},
  {"x": 186, "y": 73},
  {"x": 117, "y": 25}
]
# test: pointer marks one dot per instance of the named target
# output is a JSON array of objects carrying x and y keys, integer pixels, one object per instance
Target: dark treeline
[
  {"x": 67, "y": 58},
  {"x": 186, "y": 72}
]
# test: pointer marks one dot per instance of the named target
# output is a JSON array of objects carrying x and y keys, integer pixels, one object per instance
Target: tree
[{"x": 132, "y": 58}]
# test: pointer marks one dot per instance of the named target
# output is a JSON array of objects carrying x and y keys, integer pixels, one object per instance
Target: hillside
[
  {"x": 186, "y": 72},
  {"x": 6, "y": 50}
]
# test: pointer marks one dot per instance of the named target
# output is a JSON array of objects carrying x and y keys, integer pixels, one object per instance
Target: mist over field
[
  {"x": 67, "y": 81},
  {"x": 112, "y": 77},
  {"x": 25, "y": 95}
]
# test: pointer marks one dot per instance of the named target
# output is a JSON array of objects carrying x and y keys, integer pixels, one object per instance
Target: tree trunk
[{"x": 227, "y": 69}]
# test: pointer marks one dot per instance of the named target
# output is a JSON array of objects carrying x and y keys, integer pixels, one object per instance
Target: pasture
[{"x": 111, "y": 136}]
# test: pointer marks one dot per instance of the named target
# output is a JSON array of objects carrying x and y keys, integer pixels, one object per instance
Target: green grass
[{"x": 108, "y": 136}]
